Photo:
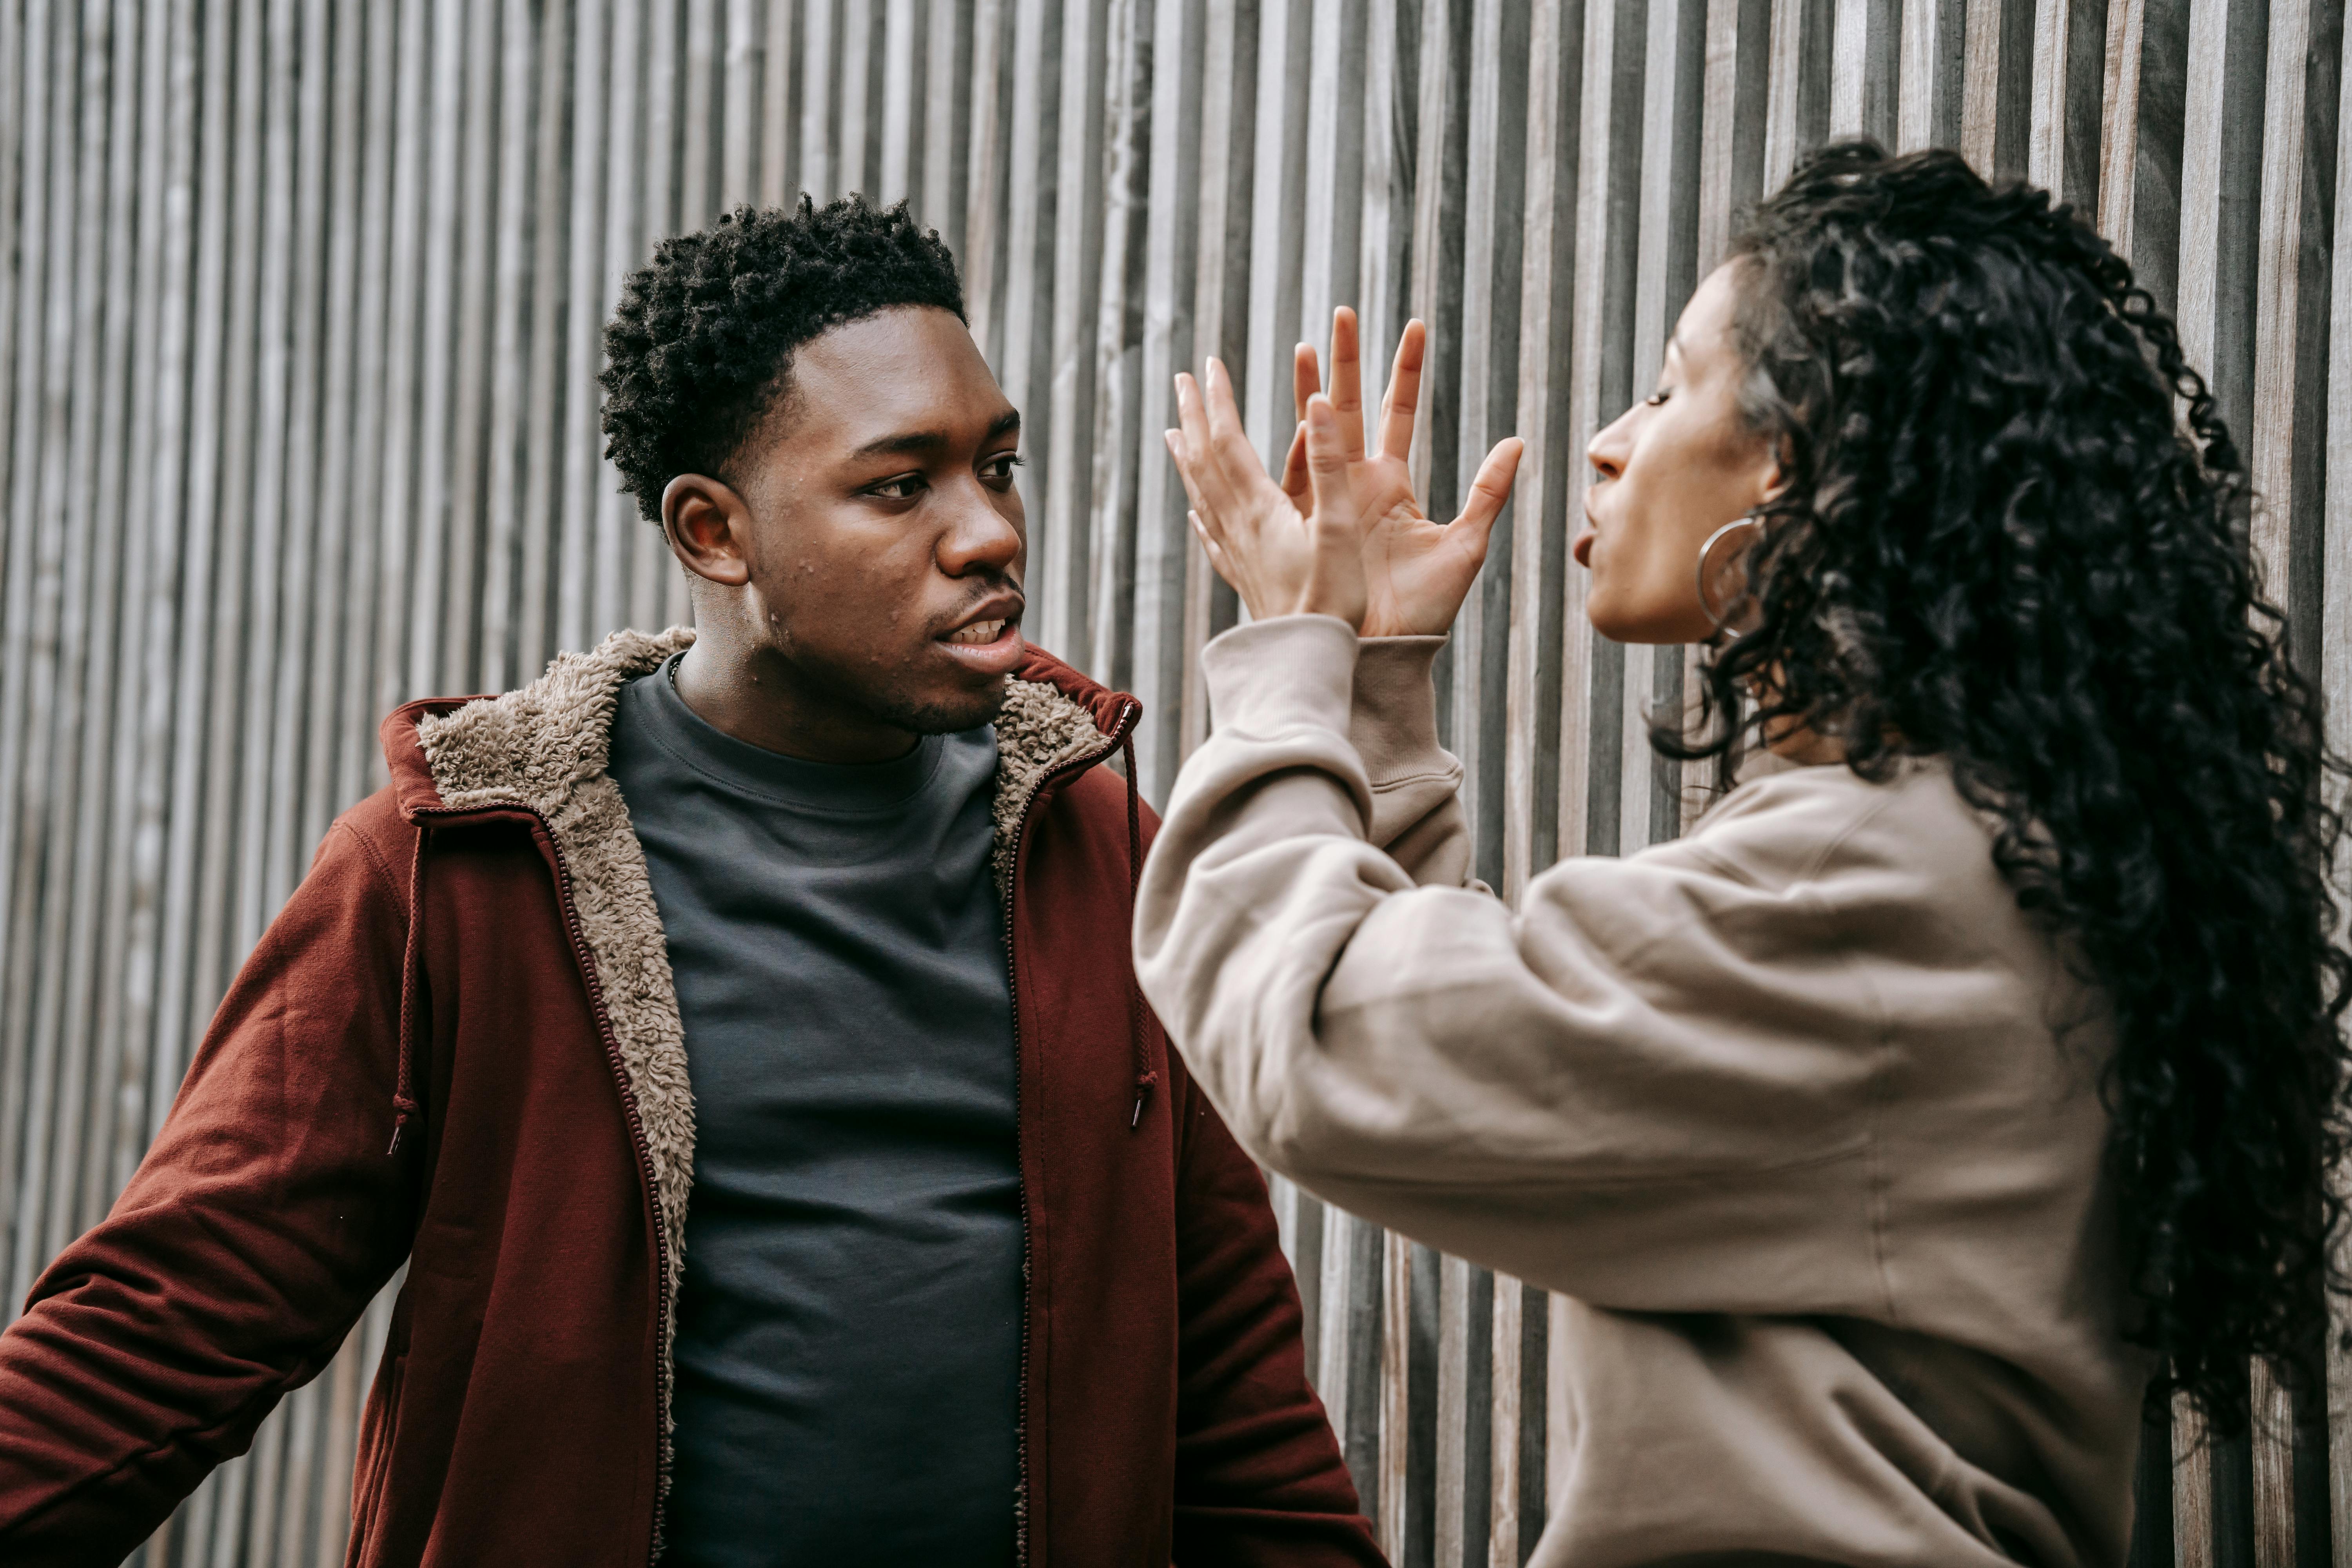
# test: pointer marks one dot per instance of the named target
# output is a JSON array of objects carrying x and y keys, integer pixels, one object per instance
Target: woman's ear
[{"x": 708, "y": 525}]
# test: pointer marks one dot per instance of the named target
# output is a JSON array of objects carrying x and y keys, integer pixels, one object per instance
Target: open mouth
[
  {"x": 987, "y": 647},
  {"x": 980, "y": 634}
]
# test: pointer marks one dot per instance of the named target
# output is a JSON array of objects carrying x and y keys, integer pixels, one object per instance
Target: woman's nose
[{"x": 1608, "y": 449}]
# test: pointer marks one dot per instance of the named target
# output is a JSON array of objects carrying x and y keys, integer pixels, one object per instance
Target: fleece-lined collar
[{"x": 543, "y": 750}]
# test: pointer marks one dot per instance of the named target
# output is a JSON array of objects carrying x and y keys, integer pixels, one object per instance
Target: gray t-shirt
[{"x": 849, "y": 1322}]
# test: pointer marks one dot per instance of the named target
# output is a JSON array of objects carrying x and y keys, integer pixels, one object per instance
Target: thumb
[{"x": 1487, "y": 493}]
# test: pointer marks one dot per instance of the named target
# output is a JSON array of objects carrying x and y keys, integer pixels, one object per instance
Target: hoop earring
[{"x": 1750, "y": 521}]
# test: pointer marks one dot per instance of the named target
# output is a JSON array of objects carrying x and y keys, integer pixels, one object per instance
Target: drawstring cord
[
  {"x": 404, "y": 1097},
  {"x": 1145, "y": 1077}
]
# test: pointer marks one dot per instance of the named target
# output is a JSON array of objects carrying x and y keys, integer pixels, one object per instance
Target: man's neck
[{"x": 762, "y": 700}]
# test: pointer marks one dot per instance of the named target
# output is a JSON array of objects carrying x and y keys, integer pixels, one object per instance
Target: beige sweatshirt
[{"x": 1788, "y": 1106}]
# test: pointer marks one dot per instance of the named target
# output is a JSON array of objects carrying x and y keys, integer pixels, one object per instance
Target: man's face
[{"x": 885, "y": 541}]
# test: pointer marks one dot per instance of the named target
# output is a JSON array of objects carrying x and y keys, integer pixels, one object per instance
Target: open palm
[{"x": 1412, "y": 573}]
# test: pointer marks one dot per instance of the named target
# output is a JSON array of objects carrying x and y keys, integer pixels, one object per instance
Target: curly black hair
[
  {"x": 1999, "y": 544},
  {"x": 699, "y": 348}
]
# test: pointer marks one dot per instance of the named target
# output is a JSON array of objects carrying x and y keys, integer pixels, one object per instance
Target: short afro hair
[{"x": 700, "y": 346}]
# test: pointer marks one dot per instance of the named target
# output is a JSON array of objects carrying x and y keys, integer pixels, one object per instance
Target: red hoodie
[{"x": 459, "y": 1046}]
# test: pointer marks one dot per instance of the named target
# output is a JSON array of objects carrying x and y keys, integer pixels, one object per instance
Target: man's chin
[{"x": 944, "y": 712}]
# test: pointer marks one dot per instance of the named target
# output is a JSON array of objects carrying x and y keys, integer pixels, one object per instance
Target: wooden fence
[{"x": 299, "y": 304}]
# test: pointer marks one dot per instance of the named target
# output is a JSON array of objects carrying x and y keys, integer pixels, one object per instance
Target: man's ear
[{"x": 708, "y": 529}]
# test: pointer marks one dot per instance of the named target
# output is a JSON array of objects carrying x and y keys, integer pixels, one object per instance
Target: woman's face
[{"x": 1674, "y": 468}]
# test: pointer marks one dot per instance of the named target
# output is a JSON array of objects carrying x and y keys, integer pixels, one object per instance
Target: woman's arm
[{"x": 1588, "y": 1094}]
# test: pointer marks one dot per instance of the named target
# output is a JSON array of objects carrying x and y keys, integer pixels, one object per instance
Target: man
[{"x": 735, "y": 1034}]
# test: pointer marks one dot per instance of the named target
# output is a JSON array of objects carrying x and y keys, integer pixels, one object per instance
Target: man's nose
[{"x": 981, "y": 537}]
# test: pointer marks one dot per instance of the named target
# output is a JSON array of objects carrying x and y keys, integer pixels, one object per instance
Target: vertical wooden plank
[
  {"x": 1865, "y": 69},
  {"x": 80, "y": 670},
  {"x": 1995, "y": 100},
  {"x": 1220, "y": 294},
  {"x": 947, "y": 122},
  {"x": 2336, "y": 681},
  {"x": 1062, "y": 551},
  {"x": 35, "y": 590},
  {"x": 629, "y": 153},
  {"x": 1061, "y": 570},
  {"x": 479, "y": 259},
  {"x": 1392, "y": 1520},
  {"x": 1277, "y": 231},
  {"x": 1927, "y": 95},
  {"x": 1026, "y": 292},
  {"x": 2064, "y": 112},
  {"x": 740, "y": 163},
  {"x": 854, "y": 130},
  {"x": 548, "y": 465},
  {"x": 584, "y": 324},
  {"x": 903, "y": 106},
  {"x": 2273, "y": 1471},
  {"x": 2119, "y": 121},
  {"x": 1122, "y": 440},
  {"x": 702, "y": 102},
  {"x": 985, "y": 217},
  {"x": 1547, "y": 596},
  {"x": 151, "y": 480},
  {"x": 1335, "y": 150},
  {"x": 780, "y": 104},
  {"x": 1161, "y": 536},
  {"x": 1797, "y": 106},
  {"x": 820, "y": 58},
  {"x": 510, "y": 430},
  {"x": 1649, "y": 801},
  {"x": 632, "y": 562}
]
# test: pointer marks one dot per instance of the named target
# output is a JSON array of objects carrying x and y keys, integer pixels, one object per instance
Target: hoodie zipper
[
  {"x": 587, "y": 966},
  {"x": 1127, "y": 711}
]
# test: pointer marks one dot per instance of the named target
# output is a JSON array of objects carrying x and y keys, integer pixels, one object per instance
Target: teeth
[{"x": 977, "y": 632}]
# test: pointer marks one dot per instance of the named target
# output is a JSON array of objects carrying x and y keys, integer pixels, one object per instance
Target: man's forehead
[{"x": 903, "y": 371}]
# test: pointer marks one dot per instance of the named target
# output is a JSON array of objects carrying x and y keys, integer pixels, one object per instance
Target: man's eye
[
  {"x": 906, "y": 486},
  {"x": 1001, "y": 466}
]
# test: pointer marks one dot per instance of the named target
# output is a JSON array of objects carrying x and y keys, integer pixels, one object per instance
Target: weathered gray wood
[
  {"x": 1221, "y": 290},
  {"x": 299, "y": 316},
  {"x": 1161, "y": 535},
  {"x": 1061, "y": 579}
]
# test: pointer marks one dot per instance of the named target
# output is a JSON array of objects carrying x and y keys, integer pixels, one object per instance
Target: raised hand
[
  {"x": 1281, "y": 558},
  {"x": 1416, "y": 572}
]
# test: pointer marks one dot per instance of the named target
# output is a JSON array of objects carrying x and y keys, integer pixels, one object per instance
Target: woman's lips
[
  {"x": 1582, "y": 547},
  {"x": 997, "y": 655}
]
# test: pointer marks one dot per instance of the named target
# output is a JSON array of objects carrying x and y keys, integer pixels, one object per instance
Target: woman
[{"x": 1972, "y": 1068}]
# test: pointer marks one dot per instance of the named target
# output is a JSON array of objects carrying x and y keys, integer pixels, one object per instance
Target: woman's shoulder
[{"x": 1786, "y": 824}]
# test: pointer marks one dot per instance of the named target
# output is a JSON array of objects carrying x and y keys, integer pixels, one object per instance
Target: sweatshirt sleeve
[
  {"x": 265, "y": 1218},
  {"x": 1658, "y": 1060}
]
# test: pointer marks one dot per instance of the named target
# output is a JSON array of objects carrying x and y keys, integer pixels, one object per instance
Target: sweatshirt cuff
[
  {"x": 1394, "y": 725},
  {"x": 1274, "y": 677}
]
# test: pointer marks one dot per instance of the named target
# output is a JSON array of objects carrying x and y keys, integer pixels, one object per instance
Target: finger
[
  {"x": 1397, "y": 409},
  {"x": 1183, "y": 466},
  {"x": 1293, "y": 464},
  {"x": 1327, "y": 465},
  {"x": 1205, "y": 480},
  {"x": 1304, "y": 380},
  {"x": 1239, "y": 467},
  {"x": 1211, "y": 545},
  {"x": 1348, "y": 381},
  {"x": 1487, "y": 493}
]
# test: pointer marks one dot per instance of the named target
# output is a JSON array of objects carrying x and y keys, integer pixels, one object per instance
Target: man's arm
[
  {"x": 1259, "y": 1479},
  {"x": 258, "y": 1228}
]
